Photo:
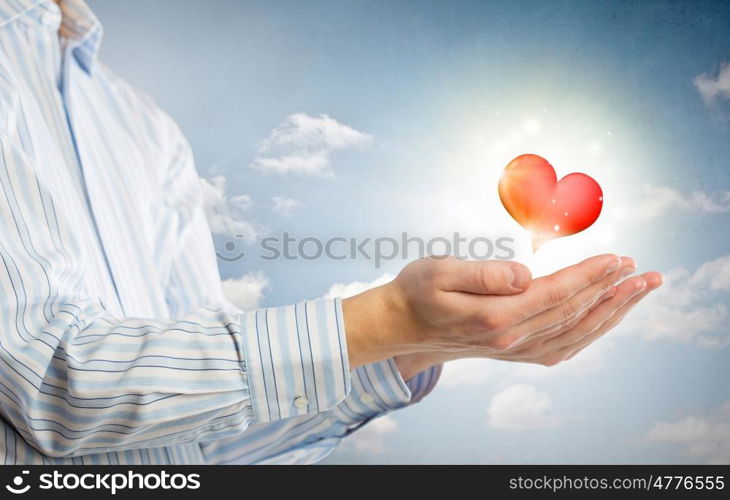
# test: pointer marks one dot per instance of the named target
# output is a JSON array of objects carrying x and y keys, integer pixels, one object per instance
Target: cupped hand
[{"x": 439, "y": 309}]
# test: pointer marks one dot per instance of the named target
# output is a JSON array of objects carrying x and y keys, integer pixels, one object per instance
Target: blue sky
[{"x": 367, "y": 119}]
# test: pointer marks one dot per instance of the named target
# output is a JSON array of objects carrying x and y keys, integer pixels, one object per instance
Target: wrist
[{"x": 374, "y": 324}]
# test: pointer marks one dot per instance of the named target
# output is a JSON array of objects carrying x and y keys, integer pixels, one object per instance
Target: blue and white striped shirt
[{"x": 116, "y": 343}]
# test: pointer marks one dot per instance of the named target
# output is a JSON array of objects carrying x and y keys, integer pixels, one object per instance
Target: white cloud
[
  {"x": 301, "y": 131},
  {"x": 285, "y": 206},
  {"x": 661, "y": 199},
  {"x": 227, "y": 215},
  {"x": 247, "y": 291},
  {"x": 355, "y": 287},
  {"x": 521, "y": 407},
  {"x": 714, "y": 87},
  {"x": 714, "y": 275},
  {"x": 374, "y": 437},
  {"x": 304, "y": 144},
  {"x": 690, "y": 307},
  {"x": 705, "y": 437},
  {"x": 471, "y": 372},
  {"x": 303, "y": 162}
]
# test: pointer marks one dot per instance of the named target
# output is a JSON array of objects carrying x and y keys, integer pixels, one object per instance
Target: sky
[{"x": 368, "y": 119}]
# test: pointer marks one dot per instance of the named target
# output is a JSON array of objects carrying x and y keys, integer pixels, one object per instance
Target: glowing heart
[{"x": 531, "y": 193}]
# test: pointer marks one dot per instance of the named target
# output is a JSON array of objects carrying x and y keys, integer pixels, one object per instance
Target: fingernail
[
  {"x": 613, "y": 266},
  {"x": 640, "y": 287},
  {"x": 520, "y": 277}
]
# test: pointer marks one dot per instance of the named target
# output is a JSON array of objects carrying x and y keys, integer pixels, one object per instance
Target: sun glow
[{"x": 469, "y": 200}]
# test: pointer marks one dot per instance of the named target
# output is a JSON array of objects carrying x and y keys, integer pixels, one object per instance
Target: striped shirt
[{"x": 116, "y": 343}]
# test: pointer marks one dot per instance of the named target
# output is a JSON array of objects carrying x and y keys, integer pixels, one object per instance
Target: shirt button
[
  {"x": 366, "y": 398},
  {"x": 301, "y": 402}
]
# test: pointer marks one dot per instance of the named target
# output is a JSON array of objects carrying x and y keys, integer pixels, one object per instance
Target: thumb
[{"x": 487, "y": 277}]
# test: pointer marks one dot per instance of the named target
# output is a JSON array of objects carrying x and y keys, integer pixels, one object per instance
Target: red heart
[{"x": 531, "y": 193}]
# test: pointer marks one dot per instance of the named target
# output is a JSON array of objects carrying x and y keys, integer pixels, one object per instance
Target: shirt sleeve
[
  {"x": 292, "y": 387},
  {"x": 377, "y": 389},
  {"x": 76, "y": 380},
  {"x": 296, "y": 357}
]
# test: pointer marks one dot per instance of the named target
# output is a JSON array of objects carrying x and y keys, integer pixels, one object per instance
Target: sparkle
[
  {"x": 565, "y": 214},
  {"x": 600, "y": 198},
  {"x": 556, "y": 227},
  {"x": 553, "y": 201}
]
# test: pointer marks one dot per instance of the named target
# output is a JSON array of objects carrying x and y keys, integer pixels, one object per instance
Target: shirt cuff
[
  {"x": 378, "y": 388},
  {"x": 296, "y": 359},
  {"x": 422, "y": 384}
]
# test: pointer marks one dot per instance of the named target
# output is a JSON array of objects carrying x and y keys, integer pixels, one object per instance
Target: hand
[
  {"x": 553, "y": 349},
  {"x": 441, "y": 309}
]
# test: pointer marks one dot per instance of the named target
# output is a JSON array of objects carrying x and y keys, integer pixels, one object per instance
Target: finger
[
  {"x": 554, "y": 355},
  {"x": 546, "y": 335},
  {"x": 624, "y": 293},
  {"x": 550, "y": 291},
  {"x": 558, "y": 319},
  {"x": 611, "y": 313},
  {"x": 628, "y": 266},
  {"x": 492, "y": 277},
  {"x": 551, "y": 344},
  {"x": 653, "y": 282},
  {"x": 569, "y": 351}
]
